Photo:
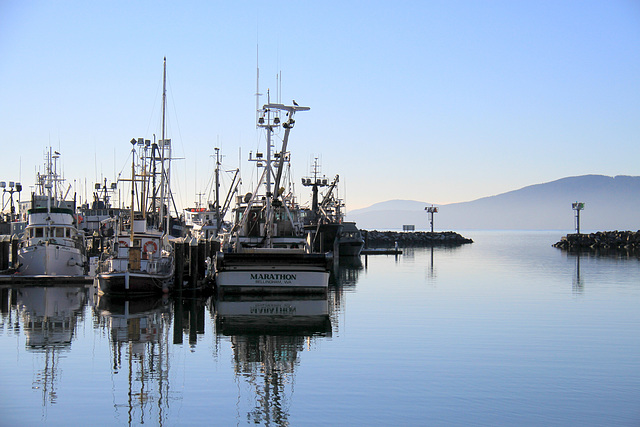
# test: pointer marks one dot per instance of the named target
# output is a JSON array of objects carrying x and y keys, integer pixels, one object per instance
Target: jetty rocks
[
  {"x": 602, "y": 240},
  {"x": 386, "y": 239}
]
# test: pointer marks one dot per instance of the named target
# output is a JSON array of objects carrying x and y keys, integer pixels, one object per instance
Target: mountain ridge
[{"x": 611, "y": 203}]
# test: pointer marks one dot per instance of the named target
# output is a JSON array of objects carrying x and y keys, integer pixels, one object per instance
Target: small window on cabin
[
  {"x": 137, "y": 243},
  {"x": 39, "y": 232},
  {"x": 59, "y": 232}
]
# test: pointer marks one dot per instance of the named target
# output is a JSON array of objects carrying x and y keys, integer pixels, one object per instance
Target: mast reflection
[
  {"x": 49, "y": 317},
  {"x": 267, "y": 334},
  {"x": 578, "y": 280},
  {"x": 138, "y": 331}
]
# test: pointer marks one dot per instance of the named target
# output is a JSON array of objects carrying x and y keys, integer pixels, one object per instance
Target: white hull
[
  {"x": 51, "y": 260},
  {"x": 269, "y": 279}
]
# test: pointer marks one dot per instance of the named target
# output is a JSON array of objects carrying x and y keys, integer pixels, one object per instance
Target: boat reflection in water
[
  {"x": 267, "y": 334},
  {"x": 138, "y": 329},
  {"x": 346, "y": 272},
  {"x": 49, "y": 317}
]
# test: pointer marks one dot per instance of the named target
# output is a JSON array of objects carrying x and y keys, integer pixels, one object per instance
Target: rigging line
[
  {"x": 153, "y": 109},
  {"x": 175, "y": 112}
]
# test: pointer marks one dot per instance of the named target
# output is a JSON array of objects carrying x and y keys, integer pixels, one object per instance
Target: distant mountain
[{"x": 611, "y": 203}]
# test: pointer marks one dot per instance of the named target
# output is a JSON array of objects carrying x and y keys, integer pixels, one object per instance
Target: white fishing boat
[
  {"x": 267, "y": 250},
  {"x": 52, "y": 244},
  {"x": 140, "y": 259}
]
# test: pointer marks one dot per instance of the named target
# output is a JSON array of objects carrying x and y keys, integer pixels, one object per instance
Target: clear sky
[{"x": 437, "y": 101}]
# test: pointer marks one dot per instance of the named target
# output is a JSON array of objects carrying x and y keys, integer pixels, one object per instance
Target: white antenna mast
[{"x": 258, "y": 94}]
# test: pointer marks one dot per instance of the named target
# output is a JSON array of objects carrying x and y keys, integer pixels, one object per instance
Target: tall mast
[
  {"x": 258, "y": 94},
  {"x": 268, "y": 223},
  {"x": 49, "y": 183},
  {"x": 217, "y": 190},
  {"x": 162, "y": 141},
  {"x": 133, "y": 193}
]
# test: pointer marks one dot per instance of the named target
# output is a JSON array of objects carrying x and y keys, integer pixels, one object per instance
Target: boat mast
[
  {"x": 133, "y": 192},
  {"x": 49, "y": 184},
  {"x": 268, "y": 123},
  {"x": 269, "y": 171},
  {"x": 217, "y": 190},
  {"x": 162, "y": 141}
]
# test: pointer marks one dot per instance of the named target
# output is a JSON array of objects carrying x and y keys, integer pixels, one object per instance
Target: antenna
[{"x": 258, "y": 94}]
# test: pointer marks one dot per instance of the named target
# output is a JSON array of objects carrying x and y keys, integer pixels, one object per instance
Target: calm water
[{"x": 506, "y": 331}]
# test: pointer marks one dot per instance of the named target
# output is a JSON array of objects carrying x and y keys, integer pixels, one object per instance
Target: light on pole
[
  {"x": 577, "y": 206},
  {"x": 431, "y": 210}
]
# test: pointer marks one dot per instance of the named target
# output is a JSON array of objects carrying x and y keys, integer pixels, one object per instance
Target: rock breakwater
[
  {"x": 387, "y": 239},
  {"x": 602, "y": 240}
]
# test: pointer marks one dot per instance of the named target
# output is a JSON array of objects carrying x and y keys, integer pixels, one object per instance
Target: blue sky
[{"x": 438, "y": 101}]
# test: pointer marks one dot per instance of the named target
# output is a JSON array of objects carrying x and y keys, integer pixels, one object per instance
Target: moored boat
[
  {"x": 52, "y": 244},
  {"x": 325, "y": 218},
  {"x": 140, "y": 259},
  {"x": 206, "y": 223},
  {"x": 267, "y": 250}
]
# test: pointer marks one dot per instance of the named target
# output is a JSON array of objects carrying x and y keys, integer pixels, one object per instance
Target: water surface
[{"x": 505, "y": 331}]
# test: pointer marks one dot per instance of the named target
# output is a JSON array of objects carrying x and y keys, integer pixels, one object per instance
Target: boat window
[
  {"x": 136, "y": 243},
  {"x": 39, "y": 232},
  {"x": 59, "y": 231}
]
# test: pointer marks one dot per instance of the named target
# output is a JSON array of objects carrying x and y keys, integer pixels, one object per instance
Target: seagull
[{"x": 295, "y": 103}]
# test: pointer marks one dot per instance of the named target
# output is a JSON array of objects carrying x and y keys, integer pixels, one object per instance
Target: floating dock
[
  {"x": 381, "y": 251},
  {"x": 19, "y": 279}
]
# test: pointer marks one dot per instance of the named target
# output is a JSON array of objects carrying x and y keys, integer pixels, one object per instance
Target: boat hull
[
  {"x": 293, "y": 315},
  {"x": 350, "y": 247},
  {"x": 272, "y": 281},
  {"x": 272, "y": 273},
  {"x": 51, "y": 260},
  {"x": 134, "y": 283}
]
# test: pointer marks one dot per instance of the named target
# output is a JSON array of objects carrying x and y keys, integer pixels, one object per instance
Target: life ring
[
  {"x": 150, "y": 246},
  {"x": 123, "y": 243}
]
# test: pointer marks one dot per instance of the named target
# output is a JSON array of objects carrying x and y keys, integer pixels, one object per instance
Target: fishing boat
[
  {"x": 267, "y": 250},
  {"x": 325, "y": 219},
  {"x": 140, "y": 258},
  {"x": 52, "y": 244},
  {"x": 205, "y": 223}
]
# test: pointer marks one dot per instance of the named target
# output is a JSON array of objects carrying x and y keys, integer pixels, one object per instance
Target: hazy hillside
[{"x": 611, "y": 203}]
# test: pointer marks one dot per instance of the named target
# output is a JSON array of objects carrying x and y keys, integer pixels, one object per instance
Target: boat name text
[{"x": 273, "y": 276}]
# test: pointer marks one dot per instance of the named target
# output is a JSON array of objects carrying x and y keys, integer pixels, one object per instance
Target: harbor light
[
  {"x": 10, "y": 187},
  {"x": 577, "y": 206},
  {"x": 431, "y": 210}
]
